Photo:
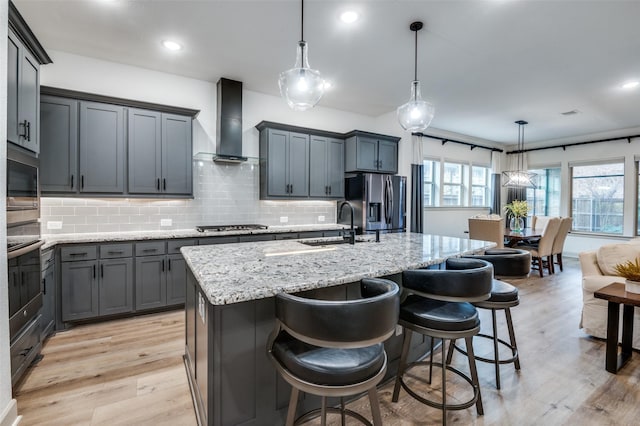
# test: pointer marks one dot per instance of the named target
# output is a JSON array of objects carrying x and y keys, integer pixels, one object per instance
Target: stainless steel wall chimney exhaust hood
[{"x": 229, "y": 122}]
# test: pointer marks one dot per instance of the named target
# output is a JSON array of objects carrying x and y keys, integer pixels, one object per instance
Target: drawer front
[
  {"x": 257, "y": 237},
  {"x": 287, "y": 236},
  {"x": 150, "y": 248},
  {"x": 217, "y": 240},
  {"x": 47, "y": 258},
  {"x": 71, "y": 253},
  {"x": 113, "y": 251},
  {"x": 173, "y": 246},
  {"x": 311, "y": 234},
  {"x": 24, "y": 349}
]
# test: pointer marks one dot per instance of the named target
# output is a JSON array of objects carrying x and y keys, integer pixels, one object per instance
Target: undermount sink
[{"x": 329, "y": 243}]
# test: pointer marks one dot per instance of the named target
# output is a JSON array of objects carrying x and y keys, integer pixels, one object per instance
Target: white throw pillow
[{"x": 612, "y": 254}]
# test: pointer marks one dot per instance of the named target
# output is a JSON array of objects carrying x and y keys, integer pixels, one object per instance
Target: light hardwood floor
[{"x": 130, "y": 372}]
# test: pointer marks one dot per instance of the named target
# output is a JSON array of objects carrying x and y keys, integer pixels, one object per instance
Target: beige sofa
[{"x": 597, "y": 272}]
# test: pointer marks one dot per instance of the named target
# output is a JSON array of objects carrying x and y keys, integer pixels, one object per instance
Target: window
[
  {"x": 480, "y": 186},
  {"x": 597, "y": 198},
  {"x": 544, "y": 200},
  {"x": 452, "y": 184},
  {"x": 430, "y": 173}
]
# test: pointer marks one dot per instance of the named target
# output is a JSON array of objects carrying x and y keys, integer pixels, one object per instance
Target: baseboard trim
[{"x": 9, "y": 416}]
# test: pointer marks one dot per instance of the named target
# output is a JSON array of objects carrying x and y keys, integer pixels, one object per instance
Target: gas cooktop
[{"x": 220, "y": 228}]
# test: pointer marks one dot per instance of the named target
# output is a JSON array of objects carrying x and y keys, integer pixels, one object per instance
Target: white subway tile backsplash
[{"x": 223, "y": 194}]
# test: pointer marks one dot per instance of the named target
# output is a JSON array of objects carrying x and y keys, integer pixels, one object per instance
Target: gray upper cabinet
[
  {"x": 59, "y": 147},
  {"x": 177, "y": 154},
  {"x": 95, "y": 147},
  {"x": 326, "y": 167},
  {"x": 284, "y": 164},
  {"x": 101, "y": 148},
  {"x": 160, "y": 151},
  {"x": 370, "y": 152},
  {"x": 23, "y": 82},
  {"x": 145, "y": 151}
]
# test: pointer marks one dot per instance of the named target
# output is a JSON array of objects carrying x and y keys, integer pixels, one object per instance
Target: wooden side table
[{"x": 616, "y": 295}]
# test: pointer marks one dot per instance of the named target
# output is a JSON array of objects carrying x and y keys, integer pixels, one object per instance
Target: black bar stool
[
  {"x": 506, "y": 262},
  {"x": 334, "y": 348},
  {"x": 438, "y": 305}
]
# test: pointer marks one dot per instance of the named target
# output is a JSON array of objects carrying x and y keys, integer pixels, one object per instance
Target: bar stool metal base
[
  {"x": 472, "y": 379},
  {"x": 515, "y": 358}
]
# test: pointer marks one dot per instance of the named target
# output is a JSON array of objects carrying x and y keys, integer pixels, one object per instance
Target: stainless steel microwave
[{"x": 23, "y": 187}]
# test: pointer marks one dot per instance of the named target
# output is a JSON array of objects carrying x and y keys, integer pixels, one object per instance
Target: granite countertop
[
  {"x": 233, "y": 273},
  {"x": 101, "y": 237}
]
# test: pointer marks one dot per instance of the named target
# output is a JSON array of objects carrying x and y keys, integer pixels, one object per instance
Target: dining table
[{"x": 512, "y": 237}]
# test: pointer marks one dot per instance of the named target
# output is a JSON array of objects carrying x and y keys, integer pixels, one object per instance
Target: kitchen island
[{"x": 230, "y": 310}]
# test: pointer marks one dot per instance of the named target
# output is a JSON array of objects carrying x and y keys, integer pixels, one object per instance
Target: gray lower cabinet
[
  {"x": 94, "y": 287},
  {"x": 79, "y": 290},
  {"x": 159, "y": 153},
  {"x": 49, "y": 292},
  {"x": 284, "y": 164},
  {"x": 59, "y": 147},
  {"x": 161, "y": 274},
  {"x": 370, "y": 152},
  {"x": 151, "y": 282},
  {"x": 326, "y": 167},
  {"x": 102, "y": 153},
  {"x": 115, "y": 286},
  {"x": 23, "y": 95}
]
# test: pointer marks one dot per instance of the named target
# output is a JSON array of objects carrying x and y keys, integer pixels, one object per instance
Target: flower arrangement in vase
[
  {"x": 631, "y": 272},
  {"x": 518, "y": 211}
]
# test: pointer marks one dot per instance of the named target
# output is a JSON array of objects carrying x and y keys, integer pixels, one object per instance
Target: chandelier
[{"x": 519, "y": 178}]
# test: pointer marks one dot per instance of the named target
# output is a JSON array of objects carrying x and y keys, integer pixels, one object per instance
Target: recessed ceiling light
[
  {"x": 171, "y": 45},
  {"x": 630, "y": 85},
  {"x": 349, "y": 16}
]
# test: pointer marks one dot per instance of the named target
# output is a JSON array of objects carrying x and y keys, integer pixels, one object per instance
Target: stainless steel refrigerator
[{"x": 379, "y": 202}]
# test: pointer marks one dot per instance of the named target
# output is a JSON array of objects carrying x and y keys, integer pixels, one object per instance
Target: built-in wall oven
[
  {"x": 23, "y": 259},
  {"x": 23, "y": 189}
]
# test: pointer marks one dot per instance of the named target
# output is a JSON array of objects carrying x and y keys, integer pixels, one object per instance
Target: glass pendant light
[
  {"x": 519, "y": 178},
  {"x": 415, "y": 115},
  {"x": 301, "y": 86}
]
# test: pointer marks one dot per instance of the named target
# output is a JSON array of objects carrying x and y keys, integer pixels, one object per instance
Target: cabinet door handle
[
  {"x": 78, "y": 254},
  {"x": 82, "y": 181},
  {"x": 94, "y": 271},
  {"x": 44, "y": 286},
  {"x": 162, "y": 262},
  {"x": 169, "y": 264},
  {"x": 28, "y": 131},
  {"x": 149, "y": 250},
  {"x": 115, "y": 252},
  {"x": 291, "y": 189},
  {"x": 158, "y": 184},
  {"x": 102, "y": 270},
  {"x": 71, "y": 181},
  {"x": 164, "y": 184},
  {"x": 329, "y": 189}
]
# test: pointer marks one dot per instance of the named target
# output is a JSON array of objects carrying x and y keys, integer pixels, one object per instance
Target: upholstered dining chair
[
  {"x": 544, "y": 248},
  {"x": 487, "y": 229},
  {"x": 558, "y": 242}
]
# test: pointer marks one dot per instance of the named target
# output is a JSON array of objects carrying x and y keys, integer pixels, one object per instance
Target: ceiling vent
[{"x": 229, "y": 122}]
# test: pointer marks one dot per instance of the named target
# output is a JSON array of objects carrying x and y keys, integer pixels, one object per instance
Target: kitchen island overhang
[{"x": 230, "y": 311}]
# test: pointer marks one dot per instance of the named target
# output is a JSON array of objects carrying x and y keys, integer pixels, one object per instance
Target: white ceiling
[{"x": 483, "y": 64}]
